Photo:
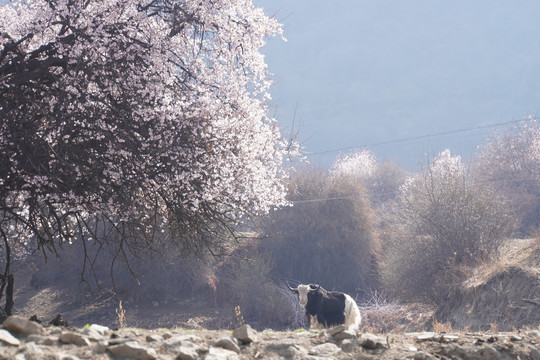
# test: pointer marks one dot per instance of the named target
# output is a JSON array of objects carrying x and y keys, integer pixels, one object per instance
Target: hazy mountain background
[{"x": 359, "y": 72}]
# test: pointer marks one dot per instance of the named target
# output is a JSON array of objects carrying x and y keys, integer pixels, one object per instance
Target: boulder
[
  {"x": 221, "y": 354},
  {"x": 325, "y": 350},
  {"x": 245, "y": 334},
  {"x": 6, "y": 337},
  {"x": 132, "y": 350},
  {"x": 187, "y": 352},
  {"x": 348, "y": 345},
  {"x": 18, "y": 325},
  {"x": 229, "y": 343},
  {"x": 347, "y": 334},
  {"x": 74, "y": 338},
  {"x": 370, "y": 341},
  {"x": 96, "y": 332}
]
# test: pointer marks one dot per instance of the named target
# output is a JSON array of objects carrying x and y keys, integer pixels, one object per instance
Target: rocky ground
[{"x": 22, "y": 339}]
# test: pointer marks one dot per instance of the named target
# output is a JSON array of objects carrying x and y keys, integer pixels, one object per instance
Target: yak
[{"x": 326, "y": 309}]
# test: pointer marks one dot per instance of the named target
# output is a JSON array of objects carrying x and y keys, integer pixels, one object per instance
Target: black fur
[{"x": 329, "y": 306}]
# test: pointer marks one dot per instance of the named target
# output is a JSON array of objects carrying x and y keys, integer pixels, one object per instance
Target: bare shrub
[
  {"x": 297, "y": 314},
  {"x": 246, "y": 282},
  {"x": 327, "y": 237},
  {"x": 381, "y": 316},
  {"x": 444, "y": 223}
]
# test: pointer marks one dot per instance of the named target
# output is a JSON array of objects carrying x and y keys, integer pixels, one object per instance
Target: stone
[
  {"x": 245, "y": 334},
  {"x": 347, "y": 334},
  {"x": 101, "y": 346},
  {"x": 288, "y": 350},
  {"x": 132, "y": 350},
  {"x": 294, "y": 352},
  {"x": 64, "y": 356},
  {"x": 38, "y": 339},
  {"x": 32, "y": 351},
  {"x": 183, "y": 349},
  {"x": 488, "y": 353},
  {"x": 221, "y": 354},
  {"x": 74, "y": 338},
  {"x": 348, "y": 345},
  {"x": 96, "y": 332},
  {"x": 535, "y": 333},
  {"x": 6, "y": 337},
  {"x": 153, "y": 338},
  {"x": 535, "y": 354},
  {"x": 370, "y": 341},
  {"x": 16, "y": 324},
  {"x": 187, "y": 352},
  {"x": 427, "y": 336},
  {"x": 281, "y": 345},
  {"x": 336, "y": 330},
  {"x": 326, "y": 349},
  {"x": 449, "y": 338},
  {"x": 177, "y": 341},
  {"x": 49, "y": 341},
  {"x": 229, "y": 343},
  {"x": 516, "y": 338}
]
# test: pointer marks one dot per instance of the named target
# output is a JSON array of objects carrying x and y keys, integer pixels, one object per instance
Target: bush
[
  {"x": 510, "y": 161},
  {"x": 443, "y": 224},
  {"x": 327, "y": 237},
  {"x": 245, "y": 280},
  {"x": 381, "y": 180}
]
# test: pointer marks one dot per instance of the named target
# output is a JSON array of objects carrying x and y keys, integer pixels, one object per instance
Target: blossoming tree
[{"x": 134, "y": 122}]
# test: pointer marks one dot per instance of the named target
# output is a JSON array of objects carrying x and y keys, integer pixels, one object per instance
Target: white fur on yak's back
[{"x": 352, "y": 314}]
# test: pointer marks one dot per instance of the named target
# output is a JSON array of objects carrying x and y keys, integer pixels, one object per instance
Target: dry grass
[
  {"x": 442, "y": 327},
  {"x": 524, "y": 253},
  {"x": 121, "y": 313},
  {"x": 381, "y": 316}
]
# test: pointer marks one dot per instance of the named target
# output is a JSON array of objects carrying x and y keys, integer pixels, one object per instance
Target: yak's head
[{"x": 302, "y": 291}]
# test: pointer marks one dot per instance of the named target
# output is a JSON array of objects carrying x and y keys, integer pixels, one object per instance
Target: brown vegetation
[{"x": 328, "y": 237}]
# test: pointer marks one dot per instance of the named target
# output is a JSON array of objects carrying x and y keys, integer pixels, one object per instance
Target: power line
[
  {"x": 369, "y": 195},
  {"x": 419, "y": 137}
]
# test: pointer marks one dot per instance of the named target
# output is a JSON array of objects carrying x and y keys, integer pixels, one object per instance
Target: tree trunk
[{"x": 8, "y": 310}]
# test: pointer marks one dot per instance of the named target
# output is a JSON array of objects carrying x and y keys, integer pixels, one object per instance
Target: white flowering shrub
[
  {"x": 510, "y": 161},
  {"x": 135, "y": 120},
  {"x": 381, "y": 179},
  {"x": 443, "y": 222},
  {"x": 359, "y": 164}
]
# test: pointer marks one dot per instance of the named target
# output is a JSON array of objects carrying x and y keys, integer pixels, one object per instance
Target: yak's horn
[{"x": 291, "y": 288}]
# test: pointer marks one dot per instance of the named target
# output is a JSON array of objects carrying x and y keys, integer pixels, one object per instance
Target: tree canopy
[{"x": 125, "y": 119}]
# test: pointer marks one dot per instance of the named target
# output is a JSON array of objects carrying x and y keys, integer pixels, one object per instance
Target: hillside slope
[{"x": 503, "y": 295}]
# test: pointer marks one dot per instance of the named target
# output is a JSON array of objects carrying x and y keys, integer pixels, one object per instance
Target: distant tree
[
  {"x": 133, "y": 122},
  {"x": 360, "y": 164},
  {"x": 443, "y": 222},
  {"x": 328, "y": 236},
  {"x": 382, "y": 180},
  {"x": 510, "y": 162}
]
